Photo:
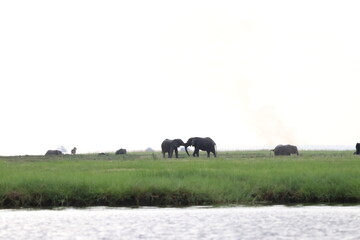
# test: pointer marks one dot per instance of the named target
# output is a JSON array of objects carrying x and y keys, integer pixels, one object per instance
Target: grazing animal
[
  {"x": 73, "y": 151},
  {"x": 285, "y": 150},
  {"x": 204, "y": 144},
  {"x": 120, "y": 151},
  {"x": 357, "y": 146},
  {"x": 168, "y": 146},
  {"x": 53, "y": 152}
]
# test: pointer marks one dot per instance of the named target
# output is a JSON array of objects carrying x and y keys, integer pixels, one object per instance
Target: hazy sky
[{"x": 104, "y": 75}]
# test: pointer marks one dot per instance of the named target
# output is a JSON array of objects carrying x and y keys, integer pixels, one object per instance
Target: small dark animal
[
  {"x": 73, "y": 151},
  {"x": 357, "y": 146},
  {"x": 285, "y": 150},
  {"x": 120, "y": 151},
  {"x": 53, "y": 152}
]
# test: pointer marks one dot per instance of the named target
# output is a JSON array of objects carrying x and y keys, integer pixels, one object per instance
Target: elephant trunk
[{"x": 186, "y": 146}]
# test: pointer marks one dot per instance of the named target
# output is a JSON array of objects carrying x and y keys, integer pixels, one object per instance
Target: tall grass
[{"x": 243, "y": 177}]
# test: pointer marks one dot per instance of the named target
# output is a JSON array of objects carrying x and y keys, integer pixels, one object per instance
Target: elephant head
[
  {"x": 190, "y": 142},
  {"x": 178, "y": 142}
]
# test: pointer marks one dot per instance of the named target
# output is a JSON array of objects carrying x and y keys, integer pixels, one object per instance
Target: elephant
[
  {"x": 281, "y": 150},
  {"x": 204, "y": 144},
  {"x": 53, "y": 152},
  {"x": 168, "y": 146},
  {"x": 357, "y": 146},
  {"x": 73, "y": 151},
  {"x": 121, "y": 151}
]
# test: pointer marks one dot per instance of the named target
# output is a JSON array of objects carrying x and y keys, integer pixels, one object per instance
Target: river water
[{"x": 273, "y": 222}]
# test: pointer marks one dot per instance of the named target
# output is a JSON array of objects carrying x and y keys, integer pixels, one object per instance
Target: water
[{"x": 275, "y": 222}]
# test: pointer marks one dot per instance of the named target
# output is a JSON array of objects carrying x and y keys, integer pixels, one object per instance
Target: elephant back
[
  {"x": 210, "y": 140},
  {"x": 165, "y": 143}
]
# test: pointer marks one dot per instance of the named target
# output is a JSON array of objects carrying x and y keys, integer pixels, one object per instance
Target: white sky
[{"x": 104, "y": 75}]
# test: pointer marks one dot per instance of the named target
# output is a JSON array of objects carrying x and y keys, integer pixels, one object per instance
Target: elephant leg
[
  {"x": 213, "y": 151},
  {"x": 208, "y": 153},
  {"x": 196, "y": 152},
  {"x": 176, "y": 153},
  {"x": 163, "y": 154},
  {"x": 172, "y": 151}
]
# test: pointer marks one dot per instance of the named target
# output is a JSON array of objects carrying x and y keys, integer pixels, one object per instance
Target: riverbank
[{"x": 146, "y": 179}]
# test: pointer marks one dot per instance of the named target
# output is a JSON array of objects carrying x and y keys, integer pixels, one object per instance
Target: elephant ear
[{"x": 193, "y": 142}]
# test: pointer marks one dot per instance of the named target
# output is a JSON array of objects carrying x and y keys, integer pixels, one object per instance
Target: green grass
[{"x": 138, "y": 179}]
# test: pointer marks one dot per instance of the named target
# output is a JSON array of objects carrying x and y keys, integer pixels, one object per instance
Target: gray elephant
[
  {"x": 169, "y": 146},
  {"x": 53, "y": 152},
  {"x": 283, "y": 150},
  {"x": 357, "y": 147},
  {"x": 121, "y": 151},
  {"x": 204, "y": 144}
]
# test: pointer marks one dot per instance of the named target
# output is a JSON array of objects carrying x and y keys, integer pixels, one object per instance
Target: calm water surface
[{"x": 275, "y": 222}]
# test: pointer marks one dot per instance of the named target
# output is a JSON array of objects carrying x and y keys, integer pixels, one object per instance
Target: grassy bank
[{"x": 244, "y": 177}]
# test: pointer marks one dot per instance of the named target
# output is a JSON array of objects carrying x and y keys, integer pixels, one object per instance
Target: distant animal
[
  {"x": 204, "y": 144},
  {"x": 53, "y": 152},
  {"x": 285, "y": 150},
  {"x": 357, "y": 146},
  {"x": 73, "y": 151},
  {"x": 120, "y": 151},
  {"x": 169, "y": 146},
  {"x": 105, "y": 154}
]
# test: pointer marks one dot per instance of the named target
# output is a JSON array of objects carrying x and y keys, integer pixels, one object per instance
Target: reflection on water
[{"x": 275, "y": 222}]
